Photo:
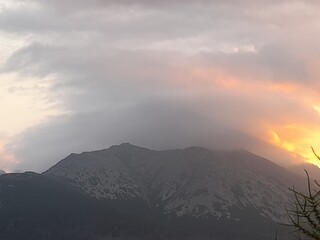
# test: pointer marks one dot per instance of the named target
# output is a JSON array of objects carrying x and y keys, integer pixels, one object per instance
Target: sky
[{"x": 82, "y": 75}]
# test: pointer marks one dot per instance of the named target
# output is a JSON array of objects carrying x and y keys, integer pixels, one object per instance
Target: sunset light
[
  {"x": 298, "y": 140},
  {"x": 317, "y": 108}
]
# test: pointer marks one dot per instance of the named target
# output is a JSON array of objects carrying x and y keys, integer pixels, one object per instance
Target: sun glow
[
  {"x": 317, "y": 108},
  {"x": 282, "y": 143},
  {"x": 297, "y": 140}
]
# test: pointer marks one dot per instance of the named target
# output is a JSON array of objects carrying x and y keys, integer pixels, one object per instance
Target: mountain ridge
[{"x": 181, "y": 182}]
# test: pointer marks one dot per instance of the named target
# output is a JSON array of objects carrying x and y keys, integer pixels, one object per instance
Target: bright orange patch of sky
[{"x": 296, "y": 139}]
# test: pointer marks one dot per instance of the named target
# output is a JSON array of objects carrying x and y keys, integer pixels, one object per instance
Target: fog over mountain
[{"x": 82, "y": 75}]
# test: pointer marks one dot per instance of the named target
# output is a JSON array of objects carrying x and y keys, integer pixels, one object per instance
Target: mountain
[
  {"x": 33, "y": 206},
  {"x": 192, "y": 182},
  {"x": 313, "y": 170},
  {"x": 130, "y": 192},
  {"x": 2, "y": 172}
]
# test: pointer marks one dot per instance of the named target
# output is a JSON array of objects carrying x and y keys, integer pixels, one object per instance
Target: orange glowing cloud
[
  {"x": 297, "y": 140},
  {"x": 282, "y": 87},
  {"x": 224, "y": 80},
  {"x": 275, "y": 139}
]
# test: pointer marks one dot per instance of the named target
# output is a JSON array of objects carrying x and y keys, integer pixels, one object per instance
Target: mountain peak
[{"x": 126, "y": 147}]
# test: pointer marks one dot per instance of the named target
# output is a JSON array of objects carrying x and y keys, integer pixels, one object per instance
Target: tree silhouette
[{"x": 304, "y": 211}]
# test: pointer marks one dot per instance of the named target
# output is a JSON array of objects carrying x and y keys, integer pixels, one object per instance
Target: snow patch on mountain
[{"x": 183, "y": 182}]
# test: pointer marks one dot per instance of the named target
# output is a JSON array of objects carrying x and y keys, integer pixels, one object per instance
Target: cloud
[
  {"x": 162, "y": 74},
  {"x": 154, "y": 124},
  {"x": 7, "y": 159},
  {"x": 152, "y": 98}
]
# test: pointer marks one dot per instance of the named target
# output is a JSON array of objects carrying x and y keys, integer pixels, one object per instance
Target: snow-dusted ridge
[{"x": 183, "y": 182}]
